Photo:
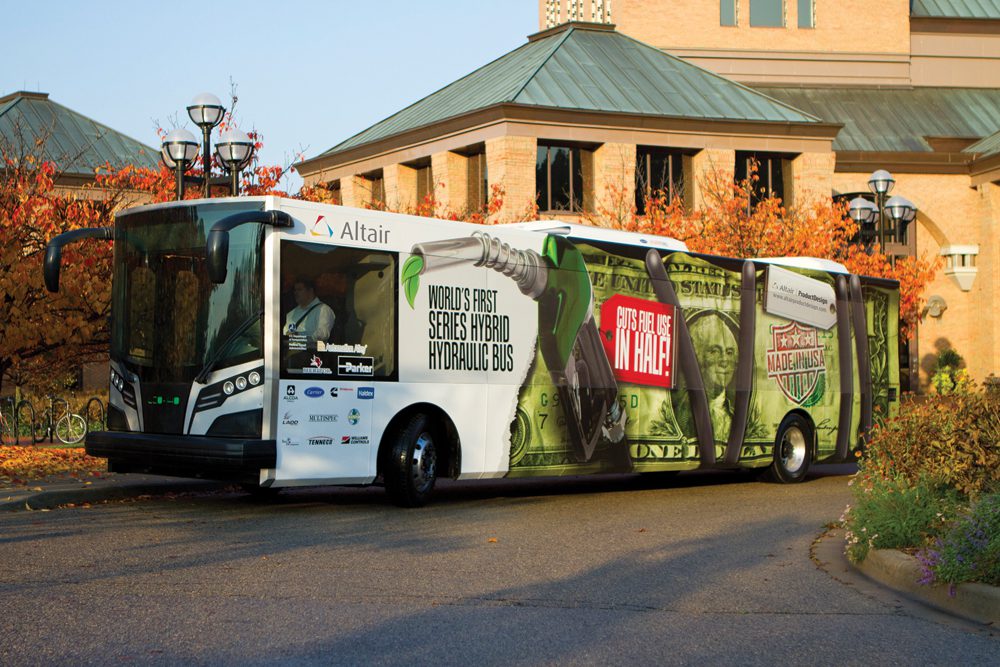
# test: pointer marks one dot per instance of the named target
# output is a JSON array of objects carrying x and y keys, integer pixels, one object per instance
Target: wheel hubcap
[
  {"x": 424, "y": 461},
  {"x": 793, "y": 449}
]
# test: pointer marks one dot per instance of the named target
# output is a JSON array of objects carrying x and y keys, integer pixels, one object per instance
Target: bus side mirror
[
  {"x": 217, "y": 243},
  {"x": 53, "y": 251}
]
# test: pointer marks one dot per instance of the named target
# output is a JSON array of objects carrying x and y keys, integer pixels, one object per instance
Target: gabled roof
[
  {"x": 588, "y": 67},
  {"x": 986, "y": 147},
  {"x": 898, "y": 120},
  {"x": 75, "y": 143},
  {"x": 955, "y": 9}
]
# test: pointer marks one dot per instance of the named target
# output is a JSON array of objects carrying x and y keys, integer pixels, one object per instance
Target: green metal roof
[
  {"x": 986, "y": 147},
  {"x": 75, "y": 143},
  {"x": 956, "y": 9},
  {"x": 897, "y": 120},
  {"x": 588, "y": 68}
]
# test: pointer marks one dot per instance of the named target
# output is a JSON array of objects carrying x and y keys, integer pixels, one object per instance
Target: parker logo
[
  {"x": 355, "y": 365},
  {"x": 366, "y": 392},
  {"x": 796, "y": 362},
  {"x": 321, "y": 440},
  {"x": 314, "y": 392}
]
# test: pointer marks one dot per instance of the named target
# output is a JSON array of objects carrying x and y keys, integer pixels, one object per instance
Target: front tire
[
  {"x": 410, "y": 469},
  {"x": 792, "y": 451},
  {"x": 71, "y": 429}
]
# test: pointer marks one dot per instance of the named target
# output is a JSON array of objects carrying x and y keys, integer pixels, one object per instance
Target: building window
[
  {"x": 559, "y": 178},
  {"x": 770, "y": 174},
  {"x": 425, "y": 184},
  {"x": 658, "y": 172},
  {"x": 478, "y": 183},
  {"x": 376, "y": 184},
  {"x": 600, "y": 11},
  {"x": 807, "y": 14},
  {"x": 552, "y": 13},
  {"x": 767, "y": 13},
  {"x": 727, "y": 12}
]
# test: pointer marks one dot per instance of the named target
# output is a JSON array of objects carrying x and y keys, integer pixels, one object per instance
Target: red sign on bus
[{"x": 638, "y": 337}]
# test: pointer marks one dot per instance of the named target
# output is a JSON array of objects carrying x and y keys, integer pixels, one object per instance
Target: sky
[{"x": 307, "y": 74}]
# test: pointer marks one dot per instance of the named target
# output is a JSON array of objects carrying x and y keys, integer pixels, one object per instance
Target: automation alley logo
[{"x": 796, "y": 362}]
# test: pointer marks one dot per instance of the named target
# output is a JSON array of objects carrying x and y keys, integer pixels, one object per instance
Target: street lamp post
[
  {"x": 180, "y": 148},
  {"x": 891, "y": 215}
]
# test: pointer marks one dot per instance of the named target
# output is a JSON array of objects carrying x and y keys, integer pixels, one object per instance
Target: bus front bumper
[{"x": 235, "y": 459}]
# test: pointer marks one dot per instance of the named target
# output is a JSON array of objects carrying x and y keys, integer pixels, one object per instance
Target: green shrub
[
  {"x": 951, "y": 440},
  {"x": 970, "y": 549},
  {"x": 896, "y": 514}
]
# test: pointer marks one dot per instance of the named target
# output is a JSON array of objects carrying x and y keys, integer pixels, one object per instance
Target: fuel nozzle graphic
[{"x": 557, "y": 280}]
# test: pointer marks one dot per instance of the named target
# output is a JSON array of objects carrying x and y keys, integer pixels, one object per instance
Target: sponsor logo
[
  {"x": 345, "y": 439},
  {"x": 323, "y": 418},
  {"x": 315, "y": 367},
  {"x": 290, "y": 390},
  {"x": 354, "y": 439},
  {"x": 353, "y": 417},
  {"x": 796, "y": 362},
  {"x": 288, "y": 442},
  {"x": 333, "y": 392},
  {"x": 366, "y": 392},
  {"x": 288, "y": 420},
  {"x": 356, "y": 365},
  {"x": 314, "y": 392},
  {"x": 321, "y": 440}
]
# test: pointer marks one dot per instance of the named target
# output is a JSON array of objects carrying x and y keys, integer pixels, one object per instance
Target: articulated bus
[{"x": 469, "y": 351}]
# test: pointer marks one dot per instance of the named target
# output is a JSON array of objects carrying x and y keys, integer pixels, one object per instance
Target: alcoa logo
[
  {"x": 314, "y": 392},
  {"x": 366, "y": 392}
]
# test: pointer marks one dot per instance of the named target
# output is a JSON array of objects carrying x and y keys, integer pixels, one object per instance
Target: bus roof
[{"x": 591, "y": 233}]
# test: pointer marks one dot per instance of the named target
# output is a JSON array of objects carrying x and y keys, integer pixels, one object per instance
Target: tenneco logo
[
  {"x": 314, "y": 392},
  {"x": 321, "y": 440},
  {"x": 356, "y": 365},
  {"x": 366, "y": 392}
]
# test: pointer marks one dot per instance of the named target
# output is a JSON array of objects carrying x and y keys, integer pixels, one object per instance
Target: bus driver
[{"x": 310, "y": 317}]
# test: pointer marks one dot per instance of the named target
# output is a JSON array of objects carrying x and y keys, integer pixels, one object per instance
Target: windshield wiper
[{"x": 210, "y": 364}]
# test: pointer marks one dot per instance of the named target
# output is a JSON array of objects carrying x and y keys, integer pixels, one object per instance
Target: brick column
[
  {"x": 451, "y": 181},
  {"x": 703, "y": 166},
  {"x": 355, "y": 191},
  {"x": 612, "y": 194},
  {"x": 809, "y": 178},
  {"x": 400, "y": 187},
  {"x": 510, "y": 162}
]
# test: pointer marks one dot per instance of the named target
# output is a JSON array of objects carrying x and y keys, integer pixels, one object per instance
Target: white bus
[{"x": 278, "y": 343}]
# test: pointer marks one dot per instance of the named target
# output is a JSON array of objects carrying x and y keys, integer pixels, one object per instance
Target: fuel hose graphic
[{"x": 557, "y": 280}]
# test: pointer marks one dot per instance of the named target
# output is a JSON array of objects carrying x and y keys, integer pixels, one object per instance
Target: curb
[
  {"x": 975, "y": 602},
  {"x": 39, "y": 500}
]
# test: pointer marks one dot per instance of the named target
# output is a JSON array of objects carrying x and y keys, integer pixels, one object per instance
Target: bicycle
[
  {"x": 69, "y": 428},
  {"x": 5, "y": 423}
]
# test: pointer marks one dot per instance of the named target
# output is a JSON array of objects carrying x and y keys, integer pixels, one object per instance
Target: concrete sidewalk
[{"x": 51, "y": 494}]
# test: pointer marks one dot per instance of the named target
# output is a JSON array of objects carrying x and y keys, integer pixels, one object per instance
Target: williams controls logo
[
  {"x": 321, "y": 440},
  {"x": 796, "y": 361},
  {"x": 353, "y": 417},
  {"x": 355, "y": 365},
  {"x": 354, "y": 439},
  {"x": 366, "y": 392},
  {"x": 314, "y": 392}
]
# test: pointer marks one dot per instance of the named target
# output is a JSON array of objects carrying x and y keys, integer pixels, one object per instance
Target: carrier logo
[
  {"x": 796, "y": 361},
  {"x": 356, "y": 365},
  {"x": 353, "y": 417},
  {"x": 354, "y": 439},
  {"x": 314, "y": 392},
  {"x": 321, "y": 440},
  {"x": 366, "y": 392}
]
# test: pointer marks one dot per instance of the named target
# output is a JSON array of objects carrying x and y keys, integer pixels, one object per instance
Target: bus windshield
[{"x": 170, "y": 320}]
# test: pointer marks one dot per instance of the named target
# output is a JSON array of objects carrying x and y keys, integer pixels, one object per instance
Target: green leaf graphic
[{"x": 411, "y": 277}]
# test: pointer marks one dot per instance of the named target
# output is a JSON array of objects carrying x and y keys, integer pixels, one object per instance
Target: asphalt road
[{"x": 696, "y": 569}]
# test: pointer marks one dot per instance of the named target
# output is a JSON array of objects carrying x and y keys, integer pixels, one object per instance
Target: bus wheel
[
  {"x": 791, "y": 451},
  {"x": 411, "y": 467}
]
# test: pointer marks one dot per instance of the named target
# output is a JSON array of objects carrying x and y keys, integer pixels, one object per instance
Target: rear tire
[
  {"x": 792, "y": 451},
  {"x": 410, "y": 468}
]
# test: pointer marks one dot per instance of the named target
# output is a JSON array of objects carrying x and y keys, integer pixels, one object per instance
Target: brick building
[{"x": 655, "y": 92}]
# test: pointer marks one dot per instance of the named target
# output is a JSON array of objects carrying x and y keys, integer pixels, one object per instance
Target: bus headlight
[
  {"x": 228, "y": 388},
  {"x": 254, "y": 378},
  {"x": 241, "y": 383}
]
